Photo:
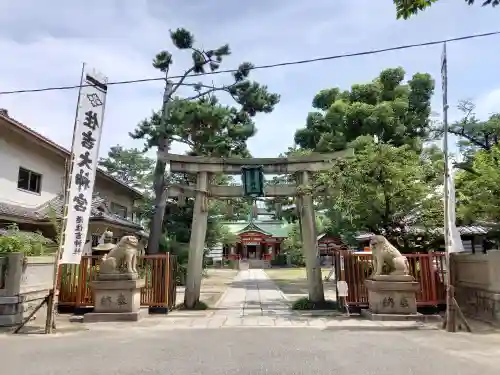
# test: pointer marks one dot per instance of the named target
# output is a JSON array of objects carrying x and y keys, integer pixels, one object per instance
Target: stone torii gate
[{"x": 204, "y": 167}]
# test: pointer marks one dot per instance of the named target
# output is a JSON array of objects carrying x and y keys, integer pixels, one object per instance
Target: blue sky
[{"x": 45, "y": 45}]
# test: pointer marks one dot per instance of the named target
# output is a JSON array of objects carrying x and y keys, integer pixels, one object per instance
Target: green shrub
[
  {"x": 279, "y": 260},
  {"x": 306, "y": 304},
  {"x": 29, "y": 243}
]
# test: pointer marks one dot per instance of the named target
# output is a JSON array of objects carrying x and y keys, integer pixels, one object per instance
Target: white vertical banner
[
  {"x": 87, "y": 139},
  {"x": 455, "y": 243}
]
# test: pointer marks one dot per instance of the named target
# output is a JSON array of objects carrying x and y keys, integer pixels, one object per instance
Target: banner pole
[{"x": 52, "y": 298}]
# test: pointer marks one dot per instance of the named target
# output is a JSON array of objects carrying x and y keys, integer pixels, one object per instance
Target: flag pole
[
  {"x": 450, "y": 313},
  {"x": 52, "y": 300}
]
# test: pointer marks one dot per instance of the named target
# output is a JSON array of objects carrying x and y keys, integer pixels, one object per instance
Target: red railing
[
  {"x": 158, "y": 272},
  {"x": 427, "y": 269}
]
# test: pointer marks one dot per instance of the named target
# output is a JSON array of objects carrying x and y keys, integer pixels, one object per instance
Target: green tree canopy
[
  {"x": 130, "y": 166},
  {"x": 385, "y": 190},
  {"x": 395, "y": 112},
  {"x": 475, "y": 135},
  {"x": 200, "y": 121},
  {"x": 407, "y": 8},
  {"x": 478, "y": 194}
]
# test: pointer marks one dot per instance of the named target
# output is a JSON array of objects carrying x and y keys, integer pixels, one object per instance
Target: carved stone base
[
  {"x": 114, "y": 317},
  {"x": 116, "y": 300},
  {"x": 393, "y": 278},
  {"x": 117, "y": 276},
  {"x": 392, "y": 297},
  {"x": 391, "y": 317}
]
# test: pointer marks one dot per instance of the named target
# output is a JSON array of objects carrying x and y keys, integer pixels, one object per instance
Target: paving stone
[{"x": 233, "y": 322}]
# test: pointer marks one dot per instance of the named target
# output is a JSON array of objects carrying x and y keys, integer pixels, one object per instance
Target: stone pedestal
[
  {"x": 115, "y": 301},
  {"x": 392, "y": 298}
]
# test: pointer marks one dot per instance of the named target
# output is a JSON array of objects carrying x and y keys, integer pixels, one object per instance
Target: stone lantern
[{"x": 105, "y": 247}]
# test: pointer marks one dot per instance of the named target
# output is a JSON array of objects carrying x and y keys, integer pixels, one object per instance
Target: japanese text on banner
[{"x": 87, "y": 140}]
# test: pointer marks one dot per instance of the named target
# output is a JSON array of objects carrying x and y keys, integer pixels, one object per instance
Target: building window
[
  {"x": 29, "y": 180},
  {"x": 119, "y": 210}
]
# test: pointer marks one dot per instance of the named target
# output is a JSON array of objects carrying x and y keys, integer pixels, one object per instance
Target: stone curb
[{"x": 377, "y": 328}]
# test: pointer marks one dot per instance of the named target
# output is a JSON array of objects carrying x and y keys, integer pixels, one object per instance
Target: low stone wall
[
  {"x": 477, "y": 285},
  {"x": 25, "y": 281}
]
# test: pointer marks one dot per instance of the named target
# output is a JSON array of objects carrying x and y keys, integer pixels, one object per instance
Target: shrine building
[{"x": 255, "y": 239}]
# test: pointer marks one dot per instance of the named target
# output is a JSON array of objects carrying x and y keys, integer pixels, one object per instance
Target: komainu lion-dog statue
[
  {"x": 122, "y": 259},
  {"x": 384, "y": 253}
]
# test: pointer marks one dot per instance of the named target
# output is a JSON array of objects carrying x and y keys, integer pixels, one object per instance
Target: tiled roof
[
  {"x": 8, "y": 209},
  {"x": 273, "y": 228},
  {"x": 100, "y": 211},
  {"x": 463, "y": 230}
]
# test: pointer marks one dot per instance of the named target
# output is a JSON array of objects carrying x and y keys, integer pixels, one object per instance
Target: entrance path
[
  {"x": 252, "y": 293},
  {"x": 254, "y": 300}
]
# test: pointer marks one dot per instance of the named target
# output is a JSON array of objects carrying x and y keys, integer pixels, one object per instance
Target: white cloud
[
  {"x": 46, "y": 44},
  {"x": 488, "y": 104}
]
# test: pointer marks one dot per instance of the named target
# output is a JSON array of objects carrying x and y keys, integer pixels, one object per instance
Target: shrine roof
[
  {"x": 100, "y": 212},
  {"x": 274, "y": 228}
]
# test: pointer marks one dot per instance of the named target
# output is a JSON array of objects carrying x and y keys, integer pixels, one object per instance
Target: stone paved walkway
[
  {"x": 252, "y": 294},
  {"x": 252, "y": 300}
]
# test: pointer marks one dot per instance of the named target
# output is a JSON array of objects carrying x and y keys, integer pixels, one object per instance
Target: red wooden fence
[
  {"x": 428, "y": 269},
  {"x": 157, "y": 270}
]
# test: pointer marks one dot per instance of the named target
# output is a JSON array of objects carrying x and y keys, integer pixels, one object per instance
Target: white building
[{"x": 32, "y": 170}]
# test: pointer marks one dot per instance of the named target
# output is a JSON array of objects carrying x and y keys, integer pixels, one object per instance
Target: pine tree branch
[{"x": 212, "y": 90}]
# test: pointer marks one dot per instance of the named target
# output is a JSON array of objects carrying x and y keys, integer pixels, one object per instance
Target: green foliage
[
  {"x": 394, "y": 112},
  {"x": 226, "y": 237},
  {"x": 306, "y": 304},
  {"x": 181, "y": 251},
  {"x": 407, "y": 8},
  {"x": 130, "y": 166},
  {"x": 475, "y": 135},
  {"x": 292, "y": 245},
  {"x": 478, "y": 194},
  {"x": 28, "y": 243},
  {"x": 206, "y": 126},
  {"x": 279, "y": 260},
  {"x": 200, "y": 121},
  {"x": 386, "y": 190},
  {"x": 135, "y": 169}
]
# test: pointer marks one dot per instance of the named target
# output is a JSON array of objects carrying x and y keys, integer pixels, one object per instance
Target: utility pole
[{"x": 159, "y": 177}]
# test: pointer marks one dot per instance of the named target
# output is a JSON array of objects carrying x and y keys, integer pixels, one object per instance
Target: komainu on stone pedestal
[
  {"x": 384, "y": 253},
  {"x": 391, "y": 294},
  {"x": 117, "y": 290},
  {"x": 121, "y": 262}
]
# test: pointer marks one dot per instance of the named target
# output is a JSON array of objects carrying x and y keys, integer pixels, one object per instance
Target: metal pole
[
  {"x": 51, "y": 303},
  {"x": 450, "y": 318}
]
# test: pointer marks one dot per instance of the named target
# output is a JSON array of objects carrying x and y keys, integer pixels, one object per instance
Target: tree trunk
[
  {"x": 160, "y": 202},
  {"x": 309, "y": 244}
]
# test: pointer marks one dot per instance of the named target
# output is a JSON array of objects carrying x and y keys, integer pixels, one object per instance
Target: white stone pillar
[{"x": 197, "y": 242}]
